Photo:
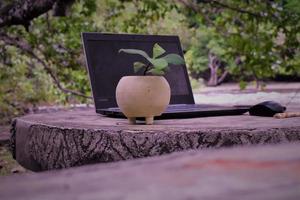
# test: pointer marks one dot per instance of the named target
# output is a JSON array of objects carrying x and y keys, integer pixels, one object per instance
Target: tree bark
[
  {"x": 21, "y": 12},
  {"x": 252, "y": 173},
  {"x": 65, "y": 139},
  {"x": 222, "y": 77},
  {"x": 214, "y": 65}
]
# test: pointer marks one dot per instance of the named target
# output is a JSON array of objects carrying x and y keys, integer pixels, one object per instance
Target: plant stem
[{"x": 146, "y": 69}]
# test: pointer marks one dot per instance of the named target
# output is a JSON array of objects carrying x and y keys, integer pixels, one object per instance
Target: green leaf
[
  {"x": 174, "y": 59},
  {"x": 159, "y": 63},
  {"x": 243, "y": 85},
  {"x": 156, "y": 71},
  {"x": 135, "y": 51},
  {"x": 157, "y": 50},
  {"x": 137, "y": 66}
]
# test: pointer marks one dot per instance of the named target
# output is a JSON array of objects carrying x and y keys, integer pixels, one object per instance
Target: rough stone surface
[
  {"x": 269, "y": 172},
  {"x": 65, "y": 139}
]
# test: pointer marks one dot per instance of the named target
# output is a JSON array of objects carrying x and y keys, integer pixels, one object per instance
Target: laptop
[{"x": 106, "y": 66}]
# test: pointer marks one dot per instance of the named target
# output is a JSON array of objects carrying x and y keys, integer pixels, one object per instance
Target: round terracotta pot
[{"x": 143, "y": 96}]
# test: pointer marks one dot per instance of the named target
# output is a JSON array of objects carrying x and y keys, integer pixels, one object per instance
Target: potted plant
[{"x": 148, "y": 95}]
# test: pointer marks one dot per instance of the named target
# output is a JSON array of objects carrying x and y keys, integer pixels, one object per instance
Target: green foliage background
[{"x": 252, "y": 46}]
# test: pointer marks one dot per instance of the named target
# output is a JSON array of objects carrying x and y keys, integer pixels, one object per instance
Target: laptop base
[{"x": 180, "y": 111}]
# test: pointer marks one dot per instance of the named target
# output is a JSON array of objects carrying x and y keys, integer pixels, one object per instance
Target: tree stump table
[
  {"x": 72, "y": 138},
  {"x": 250, "y": 173}
]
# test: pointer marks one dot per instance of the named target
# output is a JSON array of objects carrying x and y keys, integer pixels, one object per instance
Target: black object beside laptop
[{"x": 106, "y": 67}]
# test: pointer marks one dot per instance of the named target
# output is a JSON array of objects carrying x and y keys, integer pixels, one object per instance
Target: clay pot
[{"x": 143, "y": 96}]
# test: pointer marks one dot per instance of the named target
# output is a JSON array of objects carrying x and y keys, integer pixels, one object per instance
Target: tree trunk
[
  {"x": 256, "y": 79},
  {"x": 259, "y": 172},
  {"x": 71, "y": 138},
  {"x": 23, "y": 11},
  {"x": 214, "y": 64}
]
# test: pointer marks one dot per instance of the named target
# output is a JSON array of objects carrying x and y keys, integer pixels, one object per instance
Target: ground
[
  {"x": 7, "y": 164},
  {"x": 287, "y": 94}
]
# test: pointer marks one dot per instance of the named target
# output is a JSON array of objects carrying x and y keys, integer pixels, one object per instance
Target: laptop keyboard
[
  {"x": 183, "y": 107},
  {"x": 190, "y": 107}
]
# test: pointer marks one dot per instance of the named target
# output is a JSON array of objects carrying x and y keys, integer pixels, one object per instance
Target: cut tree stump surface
[
  {"x": 72, "y": 138},
  {"x": 250, "y": 173}
]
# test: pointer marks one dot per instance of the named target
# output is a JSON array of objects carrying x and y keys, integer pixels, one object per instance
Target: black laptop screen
[{"x": 107, "y": 66}]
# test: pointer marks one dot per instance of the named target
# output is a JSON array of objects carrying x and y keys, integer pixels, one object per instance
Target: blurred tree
[
  {"x": 207, "y": 52},
  {"x": 49, "y": 51},
  {"x": 261, "y": 37}
]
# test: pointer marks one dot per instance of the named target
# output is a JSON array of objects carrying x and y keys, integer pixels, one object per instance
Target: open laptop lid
[{"x": 107, "y": 66}]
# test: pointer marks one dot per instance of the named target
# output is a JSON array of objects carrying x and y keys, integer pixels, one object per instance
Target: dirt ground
[
  {"x": 287, "y": 94},
  {"x": 8, "y": 165}
]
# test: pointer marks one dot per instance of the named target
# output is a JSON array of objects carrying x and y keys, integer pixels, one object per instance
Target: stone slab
[
  {"x": 72, "y": 138},
  {"x": 269, "y": 172}
]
